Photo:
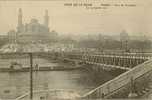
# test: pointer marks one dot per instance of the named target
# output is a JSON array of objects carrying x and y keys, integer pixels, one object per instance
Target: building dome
[
  {"x": 34, "y": 31},
  {"x": 33, "y": 20}
]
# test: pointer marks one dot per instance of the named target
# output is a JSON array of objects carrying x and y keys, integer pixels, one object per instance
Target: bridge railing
[
  {"x": 120, "y": 81},
  {"x": 127, "y": 55}
]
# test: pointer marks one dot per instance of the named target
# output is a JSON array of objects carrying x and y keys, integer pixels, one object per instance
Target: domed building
[{"x": 34, "y": 31}]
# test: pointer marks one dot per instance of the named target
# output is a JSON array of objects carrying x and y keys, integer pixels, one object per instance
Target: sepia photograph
[{"x": 75, "y": 49}]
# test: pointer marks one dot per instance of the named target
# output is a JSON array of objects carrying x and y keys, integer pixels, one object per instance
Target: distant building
[
  {"x": 124, "y": 39},
  {"x": 12, "y": 36},
  {"x": 33, "y": 31},
  {"x": 124, "y": 36}
]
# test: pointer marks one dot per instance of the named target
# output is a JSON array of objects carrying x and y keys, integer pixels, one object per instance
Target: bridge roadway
[
  {"x": 118, "y": 54},
  {"x": 113, "y": 56}
]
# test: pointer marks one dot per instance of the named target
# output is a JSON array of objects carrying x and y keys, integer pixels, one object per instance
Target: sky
[{"x": 135, "y": 20}]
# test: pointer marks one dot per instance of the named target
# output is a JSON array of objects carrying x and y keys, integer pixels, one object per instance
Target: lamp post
[{"x": 31, "y": 76}]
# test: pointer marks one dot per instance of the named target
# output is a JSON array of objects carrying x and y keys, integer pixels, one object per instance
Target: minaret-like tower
[
  {"x": 46, "y": 18},
  {"x": 20, "y": 24},
  {"x": 20, "y": 17}
]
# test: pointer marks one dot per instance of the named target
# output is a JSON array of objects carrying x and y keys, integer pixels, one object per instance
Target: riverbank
[{"x": 39, "y": 64}]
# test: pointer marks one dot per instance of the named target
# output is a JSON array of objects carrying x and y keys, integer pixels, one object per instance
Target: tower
[
  {"x": 20, "y": 24},
  {"x": 20, "y": 17},
  {"x": 46, "y": 18},
  {"x": 124, "y": 39}
]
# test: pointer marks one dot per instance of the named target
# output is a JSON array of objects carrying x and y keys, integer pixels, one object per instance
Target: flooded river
[
  {"x": 81, "y": 81},
  {"x": 14, "y": 84}
]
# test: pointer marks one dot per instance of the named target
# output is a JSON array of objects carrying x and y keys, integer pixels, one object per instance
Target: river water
[{"x": 81, "y": 81}]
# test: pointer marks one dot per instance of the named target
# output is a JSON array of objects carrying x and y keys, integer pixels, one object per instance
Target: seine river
[{"x": 81, "y": 81}]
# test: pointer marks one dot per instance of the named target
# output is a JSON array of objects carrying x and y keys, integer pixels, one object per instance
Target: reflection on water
[{"x": 15, "y": 84}]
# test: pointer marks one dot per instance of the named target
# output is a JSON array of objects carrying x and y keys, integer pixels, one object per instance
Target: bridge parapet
[
  {"x": 131, "y": 54},
  {"x": 122, "y": 80}
]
